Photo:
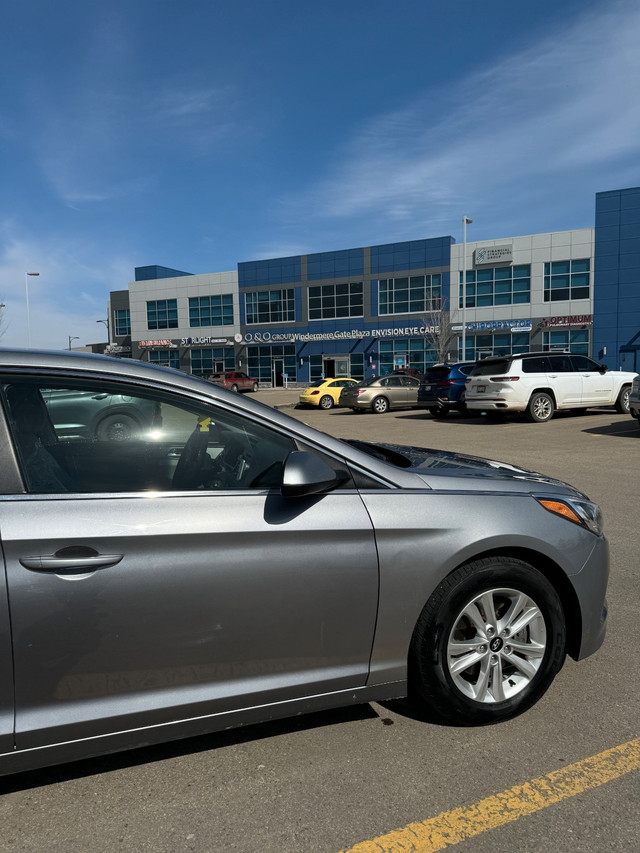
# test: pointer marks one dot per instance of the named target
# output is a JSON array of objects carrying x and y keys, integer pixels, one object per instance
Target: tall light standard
[
  {"x": 26, "y": 294},
  {"x": 74, "y": 338},
  {"x": 465, "y": 221},
  {"x": 106, "y": 323}
]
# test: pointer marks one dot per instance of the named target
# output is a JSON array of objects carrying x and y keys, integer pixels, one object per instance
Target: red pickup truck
[{"x": 234, "y": 381}]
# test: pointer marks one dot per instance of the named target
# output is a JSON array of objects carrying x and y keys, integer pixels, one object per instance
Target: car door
[
  {"x": 412, "y": 385},
  {"x": 165, "y": 578},
  {"x": 597, "y": 384},
  {"x": 564, "y": 380},
  {"x": 396, "y": 391}
]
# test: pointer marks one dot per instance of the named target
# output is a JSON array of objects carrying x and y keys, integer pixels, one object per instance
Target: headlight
[{"x": 584, "y": 513}]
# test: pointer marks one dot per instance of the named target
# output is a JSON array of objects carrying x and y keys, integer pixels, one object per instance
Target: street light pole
[
  {"x": 26, "y": 294},
  {"x": 465, "y": 221},
  {"x": 106, "y": 323},
  {"x": 73, "y": 338}
]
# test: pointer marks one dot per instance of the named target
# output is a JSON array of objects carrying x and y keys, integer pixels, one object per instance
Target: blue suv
[{"x": 442, "y": 388}]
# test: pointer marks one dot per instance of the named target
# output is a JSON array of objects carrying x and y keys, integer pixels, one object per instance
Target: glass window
[
  {"x": 565, "y": 280},
  {"x": 270, "y": 306},
  {"x": 419, "y": 293},
  {"x": 576, "y": 341},
  {"x": 162, "y": 314},
  {"x": 122, "y": 325},
  {"x": 483, "y": 346},
  {"x": 332, "y": 301},
  {"x": 211, "y": 310},
  {"x": 264, "y": 361},
  {"x": 206, "y": 361},
  {"x": 165, "y": 357},
  {"x": 497, "y": 286},
  {"x": 102, "y": 437}
]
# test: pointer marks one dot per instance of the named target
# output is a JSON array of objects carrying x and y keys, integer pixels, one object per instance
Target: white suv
[{"x": 538, "y": 383}]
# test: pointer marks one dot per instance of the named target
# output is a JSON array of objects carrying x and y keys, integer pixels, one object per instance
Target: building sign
[
  {"x": 354, "y": 334},
  {"x": 569, "y": 320},
  {"x": 493, "y": 255},
  {"x": 165, "y": 344},
  {"x": 203, "y": 340},
  {"x": 116, "y": 348},
  {"x": 500, "y": 325}
]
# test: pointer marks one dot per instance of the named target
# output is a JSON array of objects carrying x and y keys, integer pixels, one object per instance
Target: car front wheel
[
  {"x": 540, "y": 408},
  {"x": 622, "y": 403},
  {"x": 326, "y": 402},
  {"x": 254, "y": 387},
  {"x": 489, "y": 642},
  {"x": 380, "y": 405},
  {"x": 117, "y": 428}
]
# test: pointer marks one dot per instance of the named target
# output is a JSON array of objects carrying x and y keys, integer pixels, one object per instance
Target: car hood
[{"x": 470, "y": 471}]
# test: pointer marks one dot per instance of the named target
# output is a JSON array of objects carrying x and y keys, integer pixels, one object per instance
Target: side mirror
[
  {"x": 604, "y": 368},
  {"x": 306, "y": 474}
]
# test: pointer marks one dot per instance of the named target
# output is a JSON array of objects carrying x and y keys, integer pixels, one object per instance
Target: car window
[
  {"x": 433, "y": 374},
  {"x": 560, "y": 364},
  {"x": 100, "y": 437},
  {"x": 490, "y": 367},
  {"x": 581, "y": 362},
  {"x": 538, "y": 364},
  {"x": 395, "y": 381},
  {"x": 410, "y": 381}
]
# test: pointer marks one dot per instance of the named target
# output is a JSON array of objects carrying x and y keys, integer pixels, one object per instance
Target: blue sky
[{"x": 197, "y": 134}]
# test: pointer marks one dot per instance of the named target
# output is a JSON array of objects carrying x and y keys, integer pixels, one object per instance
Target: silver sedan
[{"x": 225, "y": 564}]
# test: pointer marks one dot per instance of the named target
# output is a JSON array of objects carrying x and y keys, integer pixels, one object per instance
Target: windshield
[{"x": 491, "y": 365}]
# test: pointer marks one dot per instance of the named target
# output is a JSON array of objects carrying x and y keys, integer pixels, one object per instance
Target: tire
[
  {"x": 438, "y": 413},
  {"x": 380, "y": 405},
  {"x": 254, "y": 387},
  {"x": 541, "y": 408},
  {"x": 622, "y": 403},
  {"x": 234, "y": 388},
  {"x": 326, "y": 402},
  {"x": 464, "y": 623},
  {"x": 117, "y": 428}
]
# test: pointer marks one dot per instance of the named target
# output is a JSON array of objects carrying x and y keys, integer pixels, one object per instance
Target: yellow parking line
[{"x": 457, "y": 825}]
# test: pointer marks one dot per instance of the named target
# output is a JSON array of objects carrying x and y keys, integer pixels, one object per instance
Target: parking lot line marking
[{"x": 452, "y": 827}]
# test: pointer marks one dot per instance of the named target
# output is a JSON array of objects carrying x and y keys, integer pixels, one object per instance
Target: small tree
[{"x": 440, "y": 333}]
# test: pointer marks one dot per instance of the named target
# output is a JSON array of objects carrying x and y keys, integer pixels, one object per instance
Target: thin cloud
[{"x": 563, "y": 105}]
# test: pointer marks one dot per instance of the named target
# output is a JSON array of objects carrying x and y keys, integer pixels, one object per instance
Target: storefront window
[
  {"x": 269, "y": 363},
  {"x": 416, "y": 353},
  {"x": 575, "y": 341},
  {"x": 165, "y": 357},
  {"x": 483, "y": 346},
  {"x": 204, "y": 362}
]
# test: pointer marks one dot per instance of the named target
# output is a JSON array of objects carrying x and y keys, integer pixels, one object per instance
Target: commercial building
[{"x": 369, "y": 310}]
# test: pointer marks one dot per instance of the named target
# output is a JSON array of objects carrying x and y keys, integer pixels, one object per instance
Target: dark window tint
[
  {"x": 560, "y": 364},
  {"x": 538, "y": 364},
  {"x": 491, "y": 366},
  {"x": 433, "y": 374},
  {"x": 581, "y": 362}
]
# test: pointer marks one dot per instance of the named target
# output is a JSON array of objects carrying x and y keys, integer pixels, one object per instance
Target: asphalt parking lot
[{"x": 339, "y": 780}]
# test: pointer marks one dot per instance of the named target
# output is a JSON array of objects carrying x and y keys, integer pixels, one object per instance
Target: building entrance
[{"x": 335, "y": 366}]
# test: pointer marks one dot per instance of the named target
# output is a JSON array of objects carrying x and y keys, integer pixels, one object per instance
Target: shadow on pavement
[{"x": 187, "y": 746}]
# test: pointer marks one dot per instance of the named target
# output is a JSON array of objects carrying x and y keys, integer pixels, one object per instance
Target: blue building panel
[
  {"x": 269, "y": 272},
  {"x": 617, "y": 277},
  {"x": 153, "y": 272}
]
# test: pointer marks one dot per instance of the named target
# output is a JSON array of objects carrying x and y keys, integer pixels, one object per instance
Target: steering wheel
[{"x": 191, "y": 464}]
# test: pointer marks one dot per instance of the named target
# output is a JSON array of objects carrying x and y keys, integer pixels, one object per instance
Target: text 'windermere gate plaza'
[{"x": 370, "y": 310}]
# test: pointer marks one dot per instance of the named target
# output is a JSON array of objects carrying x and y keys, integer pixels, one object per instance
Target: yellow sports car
[{"x": 325, "y": 393}]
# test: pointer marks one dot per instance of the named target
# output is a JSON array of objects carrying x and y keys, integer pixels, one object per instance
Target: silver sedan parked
[
  {"x": 226, "y": 564},
  {"x": 381, "y": 393}
]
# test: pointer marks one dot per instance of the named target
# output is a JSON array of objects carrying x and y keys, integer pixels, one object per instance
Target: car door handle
[{"x": 70, "y": 560}]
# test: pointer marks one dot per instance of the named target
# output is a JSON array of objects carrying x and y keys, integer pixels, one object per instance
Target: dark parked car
[
  {"x": 77, "y": 413},
  {"x": 442, "y": 388},
  {"x": 234, "y": 565}
]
